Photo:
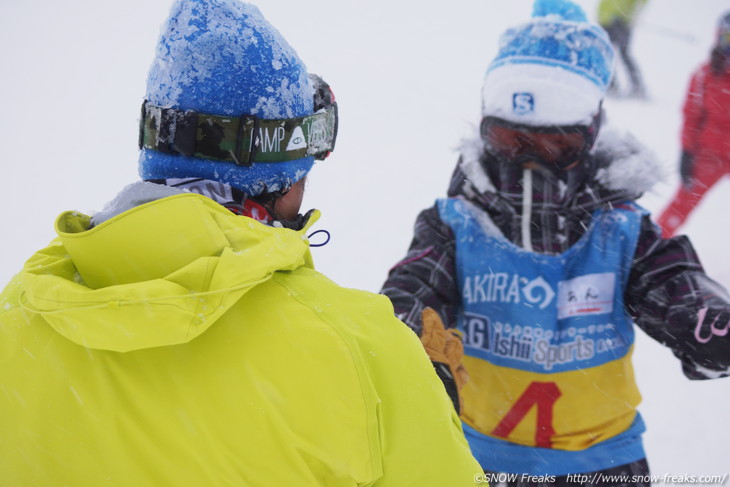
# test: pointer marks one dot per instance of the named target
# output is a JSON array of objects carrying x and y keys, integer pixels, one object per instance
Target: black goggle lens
[{"x": 557, "y": 146}]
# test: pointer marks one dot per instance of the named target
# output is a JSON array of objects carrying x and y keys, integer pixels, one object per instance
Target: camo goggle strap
[{"x": 241, "y": 140}]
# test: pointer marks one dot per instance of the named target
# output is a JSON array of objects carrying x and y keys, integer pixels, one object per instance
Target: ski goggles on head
[
  {"x": 559, "y": 146},
  {"x": 246, "y": 139}
]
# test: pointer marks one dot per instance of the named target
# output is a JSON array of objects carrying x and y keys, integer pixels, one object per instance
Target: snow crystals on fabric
[
  {"x": 471, "y": 149},
  {"x": 556, "y": 60},
  {"x": 577, "y": 47},
  {"x": 635, "y": 167},
  {"x": 470, "y": 212},
  {"x": 223, "y": 57}
]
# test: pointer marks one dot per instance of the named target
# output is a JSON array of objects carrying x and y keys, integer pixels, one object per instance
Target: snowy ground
[{"x": 407, "y": 77}]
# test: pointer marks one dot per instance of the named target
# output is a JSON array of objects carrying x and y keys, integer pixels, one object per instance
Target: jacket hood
[
  {"x": 156, "y": 275},
  {"x": 618, "y": 168}
]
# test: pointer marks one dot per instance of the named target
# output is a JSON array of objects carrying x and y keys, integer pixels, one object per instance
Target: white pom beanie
[{"x": 553, "y": 70}]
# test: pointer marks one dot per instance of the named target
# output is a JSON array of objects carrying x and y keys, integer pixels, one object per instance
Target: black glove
[
  {"x": 706, "y": 354},
  {"x": 686, "y": 164}
]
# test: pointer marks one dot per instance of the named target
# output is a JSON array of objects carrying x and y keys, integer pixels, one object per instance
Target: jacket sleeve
[
  {"x": 693, "y": 111},
  {"x": 421, "y": 437},
  {"x": 672, "y": 299},
  {"x": 426, "y": 276}
]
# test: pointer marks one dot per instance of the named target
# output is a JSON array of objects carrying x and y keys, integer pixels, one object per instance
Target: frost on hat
[
  {"x": 221, "y": 57},
  {"x": 553, "y": 70}
]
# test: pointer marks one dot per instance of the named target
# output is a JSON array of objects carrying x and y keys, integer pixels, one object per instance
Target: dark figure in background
[
  {"x": 617, "y": 18},
  {"x": 705, "y": 155}
]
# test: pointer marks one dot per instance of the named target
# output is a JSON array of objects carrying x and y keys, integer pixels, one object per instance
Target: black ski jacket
[{"x": 669, "y": 295}]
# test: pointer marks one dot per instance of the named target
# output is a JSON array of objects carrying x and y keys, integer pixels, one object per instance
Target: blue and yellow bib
[{"x": 548, "y": 346}]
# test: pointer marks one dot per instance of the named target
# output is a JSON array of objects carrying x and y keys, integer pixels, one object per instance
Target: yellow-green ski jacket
[
  {"x": 178, "y": 344},
  {"x": 624, "y": 10}
]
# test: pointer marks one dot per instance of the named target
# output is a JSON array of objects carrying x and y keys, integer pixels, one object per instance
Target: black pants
[
  {"x": 620, "y": 34},
  {"x": 634, "y": 474}
]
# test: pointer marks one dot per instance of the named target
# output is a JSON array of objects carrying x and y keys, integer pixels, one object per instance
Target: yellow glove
[{"x": 446, "y": 351}]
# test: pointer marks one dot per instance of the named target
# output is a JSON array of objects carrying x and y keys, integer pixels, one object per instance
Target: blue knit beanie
[
  {"x": 553, "y": 70},
  {"x": 221, "y": 57}
]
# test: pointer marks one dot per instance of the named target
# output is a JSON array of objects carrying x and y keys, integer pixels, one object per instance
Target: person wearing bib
[{"x": 542, "y": 261}]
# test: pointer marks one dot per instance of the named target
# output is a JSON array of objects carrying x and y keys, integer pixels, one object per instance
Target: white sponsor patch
[
  {"x": 297, "y": 140},
  {"x": 591, "y": 294}
]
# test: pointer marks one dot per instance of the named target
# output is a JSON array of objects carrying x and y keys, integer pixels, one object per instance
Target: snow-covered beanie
[
  {"x": 221, "y": 57},
  {"x": 553, "y": 70}
]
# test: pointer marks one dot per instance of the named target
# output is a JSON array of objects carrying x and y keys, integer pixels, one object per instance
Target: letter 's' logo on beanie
[
  {"x": 552, "y": 69},
  {"x": 523, "y": 103}
]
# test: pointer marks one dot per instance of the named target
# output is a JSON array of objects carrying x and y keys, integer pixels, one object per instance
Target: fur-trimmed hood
[
  {"x": 618, "y": 169},
  {"x": 618, "y": 163}
]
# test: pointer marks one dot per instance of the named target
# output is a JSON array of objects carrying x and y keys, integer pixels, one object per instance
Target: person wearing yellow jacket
[
  {"x": 617, "y": 17},
  {"x": 181, "y": 336}
]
